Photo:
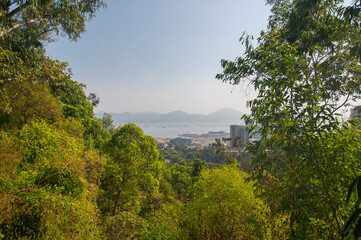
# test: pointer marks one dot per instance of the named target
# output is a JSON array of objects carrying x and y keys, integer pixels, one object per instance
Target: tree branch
[
  {"x": 7, "y": 106},
  {"x": 46, "y": 31},
  {"x": 15, "y": 26},
  {"x": 341, "y": 105},
  {"x": 17, "y": 198}
]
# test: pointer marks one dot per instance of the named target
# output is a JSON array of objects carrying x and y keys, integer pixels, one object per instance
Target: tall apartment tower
[{"x": 239, "y": 131}]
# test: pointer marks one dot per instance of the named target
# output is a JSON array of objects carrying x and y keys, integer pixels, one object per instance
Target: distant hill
[{"x": 223, "y": 115}]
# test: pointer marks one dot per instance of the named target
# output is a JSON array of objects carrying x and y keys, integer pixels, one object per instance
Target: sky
[{"x": 163, "y": 55}]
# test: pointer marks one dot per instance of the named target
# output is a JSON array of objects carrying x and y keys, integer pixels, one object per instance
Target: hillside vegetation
[{"x": 65, "y": 174}]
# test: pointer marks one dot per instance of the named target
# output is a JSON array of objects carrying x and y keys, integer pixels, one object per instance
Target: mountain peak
[
  {"x": 222, "y": 115},
  {"x": 176, "y": 112}
]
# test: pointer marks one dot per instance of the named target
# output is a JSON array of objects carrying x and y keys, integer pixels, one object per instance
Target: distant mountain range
[{"x": 223, "y": 115}]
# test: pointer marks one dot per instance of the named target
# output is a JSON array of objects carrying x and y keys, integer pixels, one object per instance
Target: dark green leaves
[
  {"x": 352, "y": 187},
  {"x": 357, "y": 231},
  {"x": 351, "y": 221},
  {"x": 305, "y": 69},
  {"x": 36, "y": 19},
  {"x": 355, "y": 215}
]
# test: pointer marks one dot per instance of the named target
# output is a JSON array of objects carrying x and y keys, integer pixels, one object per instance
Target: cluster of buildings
[
  {"x": 238, "y": 135},
  {"x": 199, "y": 139}
]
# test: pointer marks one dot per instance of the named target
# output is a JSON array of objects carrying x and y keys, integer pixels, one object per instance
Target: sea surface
[{"x": 174, "y": 129}]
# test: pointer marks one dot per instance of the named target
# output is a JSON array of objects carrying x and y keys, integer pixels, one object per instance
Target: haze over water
[{"x": 174, "y": 129}]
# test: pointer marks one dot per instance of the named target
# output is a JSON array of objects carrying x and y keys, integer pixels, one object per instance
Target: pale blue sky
[{"x": 163, "y": 55}]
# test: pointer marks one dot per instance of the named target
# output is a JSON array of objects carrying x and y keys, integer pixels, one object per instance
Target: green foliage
[
  {"x": 108, "y": 123},
  {"x": 176, "y": 152},
  {"x": 132, "y": 172},
  {"x": 30, "y": 20},
  {"x": 93, "y": 99},
  {"x": 44, "y": 145},
  {"x": 355, "y": 214},
  {"x": 45, "y": 91},
  {"x": 48, "y": 180},
  {"x": 197, "y": 166},
  {"x": 65, "y": 180},
  {"x": 23, "y": 102},
  {"x": 34, "y": 86},
  {"x": 93, "y": 166},
  {"x": 172, "y": 155},
  {"x": 64, "y": 218},
  {"x": 71, "y": 126},
  {"x": 166, "y": 223},
  {"x": 75, "y": 103},
  {"x": 181, "y": 179},
  {"x": 10, "y": 156},
  {"x": 223, "y": 206},
  {"x": 47, "y": 197},
  {"x": 209, "y": 154},
  {"x": 305, "y": 70},
  {"x": 124, "y": 225},
  {"x": 55, "y": 183},
  {"x": 39, "y": 214},
  {"x": 21, "y": 215}
]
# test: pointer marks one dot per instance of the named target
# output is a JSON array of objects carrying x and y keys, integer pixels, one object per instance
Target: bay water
[{"x": 174, "y": 129}]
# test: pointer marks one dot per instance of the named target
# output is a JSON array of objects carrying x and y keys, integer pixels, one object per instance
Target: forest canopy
[{"x": 66, "y": 174}]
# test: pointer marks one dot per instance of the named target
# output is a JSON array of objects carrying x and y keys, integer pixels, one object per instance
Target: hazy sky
[{"x": 163, "y": 55}]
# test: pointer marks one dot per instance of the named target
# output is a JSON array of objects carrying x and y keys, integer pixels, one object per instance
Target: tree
[
  {"x": 304, "y": 70},
  {"x": 197, "y": 166},
  {"x": 34, "y": 102},
  {"x": 25, "y": 70},
  {"x": 93, "y": 99},
  {"x": 223, "y": 206},
  {"x": 107, "y": 123},
  {"x": 132, "y": 172},
  {"x": 49, "y": 181},
  {"x": 32, "y": 18},
  {"x": 166, "y": 223},
  {"x": 208, "y": 154},
  {"x": 181, "y": 179},
  {"x": 24, "y": 25},
  {"x": 46, "y": 198}
]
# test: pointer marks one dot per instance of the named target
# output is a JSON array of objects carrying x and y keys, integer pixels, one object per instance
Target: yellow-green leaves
[
  {"x": 48, "y": 195},
  {"x": 223, "y": 206}
]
